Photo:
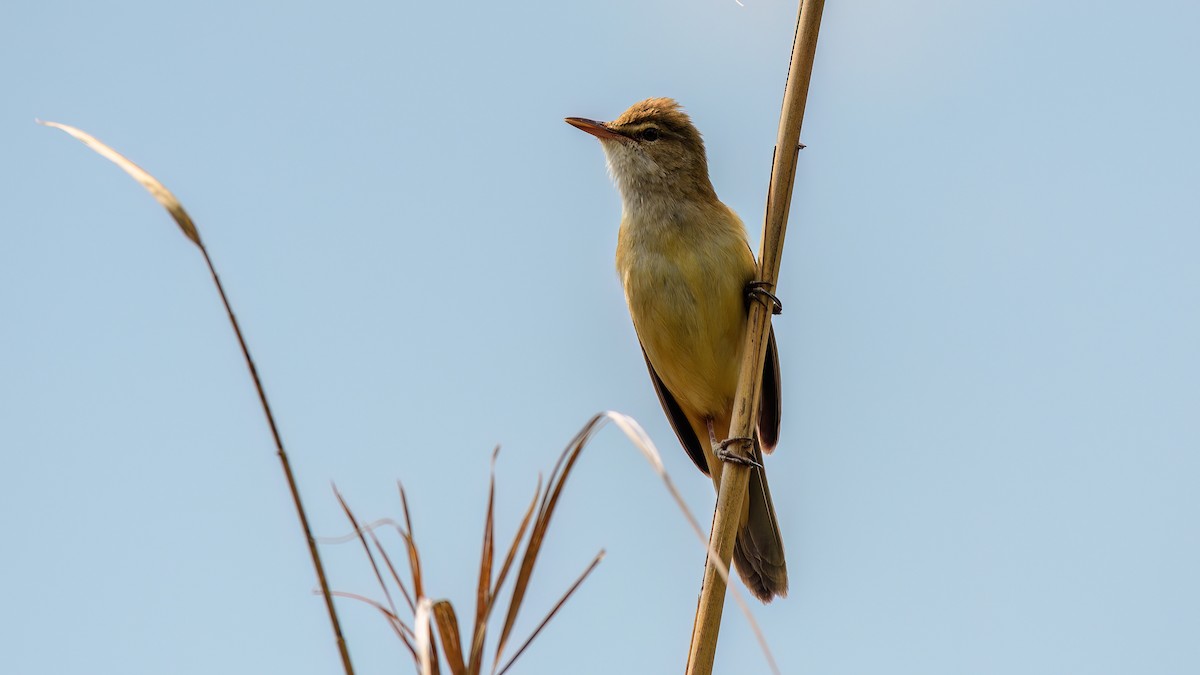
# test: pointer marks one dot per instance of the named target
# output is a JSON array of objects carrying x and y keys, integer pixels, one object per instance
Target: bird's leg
[
  {"x": 723, "y": 453},
  {"x": 757, "y": 291}
]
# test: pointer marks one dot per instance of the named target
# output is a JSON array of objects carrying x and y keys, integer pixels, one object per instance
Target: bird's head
[{"x": 654, "y": 152}]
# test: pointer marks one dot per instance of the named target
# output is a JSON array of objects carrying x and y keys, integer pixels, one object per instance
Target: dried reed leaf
[
  {"x": 366, "y": 547},
  {"x": 558, "y": 478},
  {"x": 156, "y": 189},
  {"x": 512, "y": 550},
  {"x": 550, "y": 615},
  {"x": 483, "y": 593},
  {"x": 387, "y": 560},
  {"x": 370, "y": 528},
  {"x": 447, "y": 625},
  {"x": 414, "y": 559},
  {"x": 397, "y": 624},
  {"x": 481, "y": 630},
  {"x": 641, "y": 440},
  {"x": 353, "y": 534}
]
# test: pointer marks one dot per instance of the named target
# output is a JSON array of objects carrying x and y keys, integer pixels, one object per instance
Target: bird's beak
[{"x": 598, "y": 129}]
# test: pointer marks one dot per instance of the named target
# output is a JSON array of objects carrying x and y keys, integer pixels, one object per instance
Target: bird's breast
[{"x": 684, "y": 281}]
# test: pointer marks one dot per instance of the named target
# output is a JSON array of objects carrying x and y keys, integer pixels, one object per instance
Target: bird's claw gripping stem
[
  {"x": 727, "y": 455},
  {"x": 757, "y": 291}
]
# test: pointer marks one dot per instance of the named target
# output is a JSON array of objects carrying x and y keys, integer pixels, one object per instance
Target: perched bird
[{"x": 688, "y": 271}]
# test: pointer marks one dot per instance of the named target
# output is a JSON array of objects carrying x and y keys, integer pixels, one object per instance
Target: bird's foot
[
  {"x": 757, "y": 291},
  {"x": 725, "y": 454}
]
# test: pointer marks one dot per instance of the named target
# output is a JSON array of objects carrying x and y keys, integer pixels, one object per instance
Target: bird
[{"x": 685, "y": 263}]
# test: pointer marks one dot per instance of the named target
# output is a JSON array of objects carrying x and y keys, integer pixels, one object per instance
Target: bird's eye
[{"x": 650, "y": 134}]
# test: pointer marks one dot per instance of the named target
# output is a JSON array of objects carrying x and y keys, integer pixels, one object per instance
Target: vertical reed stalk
[{"x": 734, "y": 477}]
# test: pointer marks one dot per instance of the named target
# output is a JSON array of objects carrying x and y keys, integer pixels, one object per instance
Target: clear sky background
[{"x": 991, "y": 438}]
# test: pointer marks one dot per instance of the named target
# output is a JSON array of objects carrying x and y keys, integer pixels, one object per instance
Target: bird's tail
[{"x": 758, "y": 549}]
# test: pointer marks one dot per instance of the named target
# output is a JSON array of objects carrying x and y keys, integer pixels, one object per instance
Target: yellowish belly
[{"x": 688, "y": 306}]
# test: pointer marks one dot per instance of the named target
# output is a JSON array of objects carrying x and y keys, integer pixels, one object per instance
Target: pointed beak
[{"x": 598, "y": 129}]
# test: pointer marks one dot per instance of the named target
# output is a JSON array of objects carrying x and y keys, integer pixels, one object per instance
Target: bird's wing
[
  {"x": 771, "y": 402},
  {"x": 770, "y": 406},
  {"x": 679, "y": 421}
]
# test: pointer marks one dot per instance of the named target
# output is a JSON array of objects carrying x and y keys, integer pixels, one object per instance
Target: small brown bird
[{"x": 687, "y": 269}]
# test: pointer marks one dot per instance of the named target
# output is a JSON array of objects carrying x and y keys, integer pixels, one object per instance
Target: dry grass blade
[
  {"x": 370, "y": 528},
  {"x": 175, "y": 208},
  {"x": 512, "y": 550},
  {"x": 156, "y": 189},
  {"x": 557, "y": 606},
  {"x": 401, "y": 629},
  {"x": 447, "y": 623},
  {"x": 483, "y": 593},
  {"x": 387, "y": 560},
  {"x": 366, "y": 547},
  {"x": 558, "y": 479},
  {"x": 481, "y": 629},
  {"x": 641, "y": 440},
  {"x": 414, "y": 558},
  {"x": 353, "y": 534}
]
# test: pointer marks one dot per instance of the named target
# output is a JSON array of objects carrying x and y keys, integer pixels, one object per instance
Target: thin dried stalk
[
  {"x": 402, "y": 630},
  {"x": 414, "y": 557},
  {"x": 558, "y": 479},
  {"x": 557, "y": 606},
  {"x": 173, "y": 206},
  {"x": 641, "y": 440},
  {"x": 362, "y": 538},
  {"x": 734, "y": 477},
  {"x": 512, "y": 551},
  {"x": 483, "y": 592},
  {"x": 392, "y": 570}
]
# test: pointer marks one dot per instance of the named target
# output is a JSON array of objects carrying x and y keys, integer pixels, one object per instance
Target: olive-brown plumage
[{"x": 684, "y": 262}]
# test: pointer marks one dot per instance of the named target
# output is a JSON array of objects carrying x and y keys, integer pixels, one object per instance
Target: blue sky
[{"x": 990, "y": 441}]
